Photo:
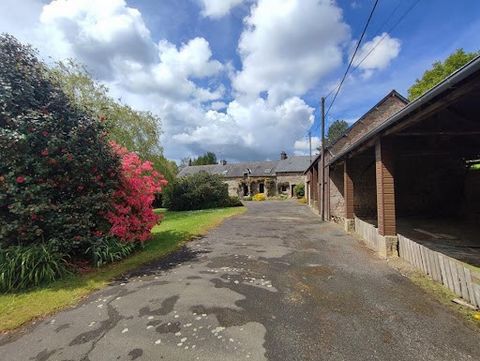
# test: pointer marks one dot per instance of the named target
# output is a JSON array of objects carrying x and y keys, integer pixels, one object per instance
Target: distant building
[{"x": 249, "y": 178}]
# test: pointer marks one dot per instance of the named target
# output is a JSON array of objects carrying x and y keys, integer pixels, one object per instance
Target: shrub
[
  {"x": 299, "y": 190},
  {"x": 132, "y": 217},
  {"x": 26, "y": 266},
  {"x": 57, "y": 171},
  {"x": 247, "y": 198},
  {"x": 108, "y": 250},
  {"x": 235, "y": 202},
  {"x": 259, "y": 197},
  {"x": 197, "y": 191}
]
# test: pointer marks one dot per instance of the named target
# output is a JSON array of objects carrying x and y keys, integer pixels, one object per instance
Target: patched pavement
[{"x": 272, "y": 284}]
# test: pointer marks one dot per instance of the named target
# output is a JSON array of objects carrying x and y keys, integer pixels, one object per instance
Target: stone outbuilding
[
  {"x": 249, "y": 178},
  {"x": 406, "y": 178}
]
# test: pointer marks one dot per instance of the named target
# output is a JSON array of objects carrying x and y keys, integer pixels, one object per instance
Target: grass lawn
[{"x": 175, "y": 229}]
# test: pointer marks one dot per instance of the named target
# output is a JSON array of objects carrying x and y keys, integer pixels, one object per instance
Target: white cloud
[
  {"x": 218, "y": 8},
  {"x": 302, "y": 146},
  {"x": 248, "y": 130},
  {"x": 384, "y": 51},
  {"x": 287, "y": 46},
  {"x": 285, "y": 49},
  {"x": 100, "y": 34}
]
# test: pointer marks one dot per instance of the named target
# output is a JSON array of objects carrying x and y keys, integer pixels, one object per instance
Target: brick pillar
[
  {"x": 385, "y": 199},
  {"x": 348, "y": 196}
]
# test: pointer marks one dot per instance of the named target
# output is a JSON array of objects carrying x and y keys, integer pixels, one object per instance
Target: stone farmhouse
[{"x": 269, "y": 177}]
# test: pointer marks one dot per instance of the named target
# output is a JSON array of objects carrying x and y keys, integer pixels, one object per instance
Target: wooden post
[
  {"x": 322, "y": 186},
  {"x": 348, "y": 190},
  {"x": 385, "y": 188}
]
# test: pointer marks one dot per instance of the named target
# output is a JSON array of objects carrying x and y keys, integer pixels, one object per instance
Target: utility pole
[
  {"x": 310, "y": 144},
  {"x": 322, "y": 188}
]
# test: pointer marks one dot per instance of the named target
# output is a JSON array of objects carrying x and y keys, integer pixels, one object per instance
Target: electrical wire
[
  {"x": 386, "y": 34},
  {"x": 353, "y": 56}
]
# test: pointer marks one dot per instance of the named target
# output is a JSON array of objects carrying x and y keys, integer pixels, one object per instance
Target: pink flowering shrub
[{"x": 132, "y": 217}]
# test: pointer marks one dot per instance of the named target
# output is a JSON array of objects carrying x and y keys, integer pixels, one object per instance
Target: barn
[{"x": 406, "y": 178}]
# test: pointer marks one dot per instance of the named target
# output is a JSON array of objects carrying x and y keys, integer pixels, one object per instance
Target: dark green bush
[
  {"x": 109, "y": 249},
  {"x": 198, "y": 191},
  {"x": 22, "y": 267},
  {"x": 235, "y": 202},
  {"x": 299, "y": 190},
  {"x": 57, "y": 170}
]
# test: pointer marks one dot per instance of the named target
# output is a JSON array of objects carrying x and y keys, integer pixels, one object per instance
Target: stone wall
[
  {"x": 337, "y": 200},
  {"x": 291, "y": 179}
]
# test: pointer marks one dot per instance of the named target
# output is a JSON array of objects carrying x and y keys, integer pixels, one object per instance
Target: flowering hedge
[
  {"x": 57, "y": 171},
  {"x": 65, "y": 191},
  {"x": 132, "y": 217}
]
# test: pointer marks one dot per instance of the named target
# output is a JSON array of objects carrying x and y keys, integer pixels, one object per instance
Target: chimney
[
  {"x": 283, "y": 155},
  {"x": 223, "y": 162}
]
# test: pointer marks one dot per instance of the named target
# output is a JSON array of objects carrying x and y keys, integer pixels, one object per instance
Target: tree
[
  {"x": 439, "y": 71},
  {"x": 207, "y": 158},
  {"x": 137, "y": 131},
  {"x": 336, "y": 130}
]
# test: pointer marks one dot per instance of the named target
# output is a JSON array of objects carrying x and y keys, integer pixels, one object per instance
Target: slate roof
[
  {"x": 296, "y": 164},
  {"x": 293, "y": 164}
]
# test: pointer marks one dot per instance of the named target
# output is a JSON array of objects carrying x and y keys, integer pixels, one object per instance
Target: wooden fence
[
  {"x": 453, "y": 274},
  {"x": 367, "y": 232}
]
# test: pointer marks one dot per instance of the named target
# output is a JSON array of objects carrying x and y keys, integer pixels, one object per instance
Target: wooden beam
[
  {"x": 348, "y": 190},
  {"x": 385, "y": 188},
  {"x": 438, "y": 133}
]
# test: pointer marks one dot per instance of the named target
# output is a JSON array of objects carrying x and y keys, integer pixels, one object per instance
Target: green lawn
[{"x": 175, "y": 229}]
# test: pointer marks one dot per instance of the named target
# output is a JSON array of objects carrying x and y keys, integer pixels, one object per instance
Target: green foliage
[
  {"x": 439, "y": 71},
  {"x": 207, "y": 158},
  {"x": 168, "y": 168},
  {"x": 57, "y": 170},
  {"x": 299, "y": 190},
  {"x": 234, "y": 202},
  {"x": 22, "y": 267},
  {"x": 109, "y": 250},
  {"x": 198, "y": 191},
  {"x": 137, "y": 131},
  {"x": 335, "y": 131}
]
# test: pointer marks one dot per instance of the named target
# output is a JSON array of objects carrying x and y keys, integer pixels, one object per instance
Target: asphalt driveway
[{"x": 272, "y": 284}]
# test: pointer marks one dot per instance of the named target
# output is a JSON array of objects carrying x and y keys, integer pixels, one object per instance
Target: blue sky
[{"x": 243, "y": 78}]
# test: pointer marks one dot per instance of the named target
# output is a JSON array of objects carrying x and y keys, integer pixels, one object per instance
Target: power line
[
  {"x": 353, "y": 56},
  {"x": 386, "y": 34}
]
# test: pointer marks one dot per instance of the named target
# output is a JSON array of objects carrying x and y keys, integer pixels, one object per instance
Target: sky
[{"x": 244, "y": 78}]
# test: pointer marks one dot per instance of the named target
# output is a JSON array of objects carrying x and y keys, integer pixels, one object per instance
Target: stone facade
[
  {"x": 269, "y": 177},
  {"x": 290, "y": 180}
]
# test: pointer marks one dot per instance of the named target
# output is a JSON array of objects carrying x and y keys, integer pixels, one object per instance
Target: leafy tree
[
  {"x": 207, "y": 158},
  {"x": 336, "y": 130},
  {"x": 439, "y": 71},
  {"x": 137, "y": 131}
]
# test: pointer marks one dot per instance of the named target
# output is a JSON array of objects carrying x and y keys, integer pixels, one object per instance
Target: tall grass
[{"x": 24, "y": 267}]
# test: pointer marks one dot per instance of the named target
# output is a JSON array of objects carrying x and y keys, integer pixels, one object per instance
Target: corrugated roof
[{"x": 255, "y": 169}]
